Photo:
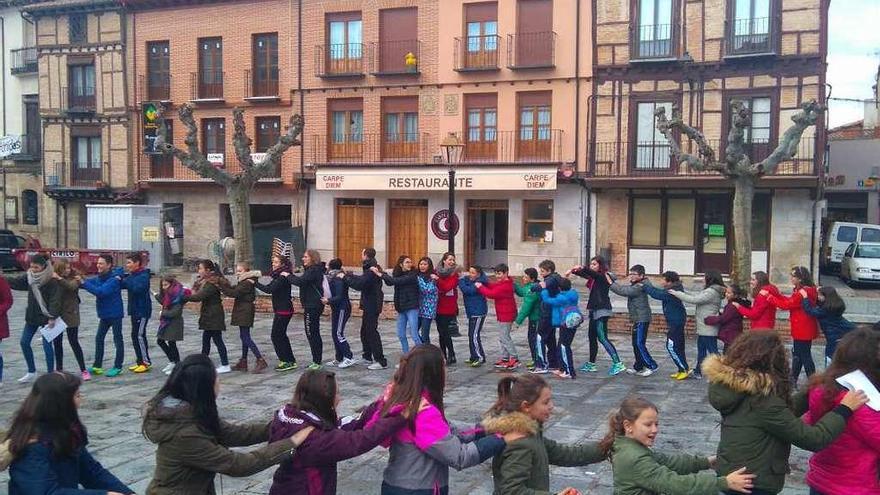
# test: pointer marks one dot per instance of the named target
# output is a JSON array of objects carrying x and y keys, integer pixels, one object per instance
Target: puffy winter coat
[
  {"x": 428, "y": 297},
  {"x": 211, "y": 314},
  {"x": 803, "y": 326},
  {"x": 245, "y": 295},
  {"x": 673, "y": 309},
  {"x": 137, "y": 284},
  {"x": 171, "y": 318},
  {"x": 406, "y": 290},
  {"x": 636, "y": 301},
  {"x": 69, "y": 292},
  {"x": 729, "y": 322},
  {"x": 107, "y": 290},
  {"x": 708, "y": 302},
  {"x": 762, "y": 314},
  {"x": 639, "y": 470},
  {"x": 505, "y": 302},
  {"x": 474, "y": 302},
  {"x": 447, "y": 287},
  {"x": 311, "y": 286},
  {"x": 558, "y": 303},
  {"x": 531, "y": 303},
  {"x": 833, "y": 326}
]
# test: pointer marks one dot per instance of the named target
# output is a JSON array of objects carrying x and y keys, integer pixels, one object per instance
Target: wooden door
[
  {"x": 354, "y": 229},
  {"x": 407, "y": 229}
]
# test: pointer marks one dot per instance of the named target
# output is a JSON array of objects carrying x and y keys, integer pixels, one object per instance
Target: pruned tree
[
  {"x": 737, "y": 166},
  {"x": 238, "y": 185}
]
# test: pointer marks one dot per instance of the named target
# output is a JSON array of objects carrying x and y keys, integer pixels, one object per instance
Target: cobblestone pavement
[{"x": 111, "y": 410}]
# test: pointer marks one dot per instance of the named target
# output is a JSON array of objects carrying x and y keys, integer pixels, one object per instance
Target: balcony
[
  {"x": 531, "y": 50},
  {"x": 477, "y": 53},
  {"x": 362, "y": 149},
  {"x": 522, "y": 146},
  {"x": 31, "y": 150},
  {"x": 339, "y": 61},
  {"x": 154, "y": 87},
  {"x": 750, "y": 37},
  {"x": 395, "y": 58},
  {"x": 24, "y": 60},
  {"x": 206, "y": 86},
  {"x": 258, "y": 89},
  {"x": 626, "y": 160},
  {"x": 79, "y": 99},
  {"x": 73, "y": 175},
  {"x": 166, "y": 169},
  {"x": 652, "y": 42}
]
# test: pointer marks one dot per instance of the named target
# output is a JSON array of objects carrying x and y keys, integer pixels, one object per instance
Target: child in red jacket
[
  {"x": 804, "y": 327},
  {"x": 501, "y": 291},
  {"x": 761, "y": 314}
]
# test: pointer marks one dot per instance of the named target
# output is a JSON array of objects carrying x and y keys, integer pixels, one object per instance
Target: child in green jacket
[
  {"x": 523, "y": 467},
  {"x": 638, "y": 470},
  {"x": 530, "y": 308}
]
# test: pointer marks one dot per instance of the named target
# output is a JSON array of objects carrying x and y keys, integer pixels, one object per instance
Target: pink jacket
[{"x": 849, "y": 465}]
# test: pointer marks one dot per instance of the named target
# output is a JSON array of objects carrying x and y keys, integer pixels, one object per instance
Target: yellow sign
[{"x": 150, "y": 234}]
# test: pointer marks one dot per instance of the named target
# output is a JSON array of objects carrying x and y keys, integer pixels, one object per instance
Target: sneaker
[
  {"x": 332, "y": 363},
  {"x": 168, "y": 367},
  {"x": 697, "y": 376},
  {"x": 451, "y": 361},
  {"x": 134, "y": 366},
  {"x": 477, "y": 363},
  {"x": 530, "y": 364},
  {"x": 141, "y": 369},
  {"x": 347, "y": 363},
  {"x": 224, "y": 369},
  {"x": 314, "y": 366},
  {"x": 684, "y": 375},
  {"x": 674, "y": 376},
  {"x": 616, "y": 369},
  {"x": 589, "y": 367},
  {"x": 377, "y": 366},
  {"x": 501, "y": 363},
  {"x": 86, "y": 376},
  {"x": 513, "y": 363},
  {"x": 365, "y": 362},
  {"x": 564, "y": 376},
  {"x": 539, "y": 371},
  {"x": 96, "y": 371},
  {"x": 28, "y": 377},
  {"x": 632, "y": 371},
  {"x": 646, "y": 372},
  {"x": 114, "y": 372},
  {"x": 284, "y": 366}
]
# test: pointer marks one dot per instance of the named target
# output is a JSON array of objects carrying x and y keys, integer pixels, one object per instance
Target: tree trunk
[
  {"x": 744, "y": 193},
  {"x": 240, "y": 210}
]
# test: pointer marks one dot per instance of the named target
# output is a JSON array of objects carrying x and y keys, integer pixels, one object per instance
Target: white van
[{"x": 840, "y": 236}]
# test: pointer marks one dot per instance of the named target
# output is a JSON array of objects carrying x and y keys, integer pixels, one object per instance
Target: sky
[{"x": 853, "y": 55}]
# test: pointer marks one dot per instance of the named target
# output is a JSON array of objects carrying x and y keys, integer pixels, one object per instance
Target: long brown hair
[
  {"x": 421, "y": 371},
  {"x": 61, "y": 266},
  {"x": 857, "y": 350},
  {"x": 48, "y": 413},
  {"x": 513, "y": 391},
  {"x": 630, "y": 410},
  {"x": 762, "y": 280},
  {"x": 762, "y": 352},
  {"x": 316, "y": 393}
]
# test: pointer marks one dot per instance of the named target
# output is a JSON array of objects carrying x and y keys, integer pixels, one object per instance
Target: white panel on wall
[
  {"x": 679, "y": 260},
  {"x": 649, "y": 258},
  {"x": 759, "y": 261}
]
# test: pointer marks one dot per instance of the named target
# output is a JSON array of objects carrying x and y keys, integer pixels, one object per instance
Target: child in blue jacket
[
  {"x": 676, "y": 317},
  {"x": 567, "y": 297},
  {"x": 107, "y": 289},
  {"x": 829, "y": 312},
  {"x": 140, "y": 307},
  {"x": 475, "y": 308}
]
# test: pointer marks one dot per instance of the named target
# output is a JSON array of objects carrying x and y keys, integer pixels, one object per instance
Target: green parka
[
  {"x": 211, "y": 314},
  {"x": 523, "y": 467},
  {"x": 639, "y": 470},
  {"x": 69, "y": 294},
  {"x": 758, "y": 428},
  {"x": 531, "y": 303},
  {"x": 245, "y": 295}
]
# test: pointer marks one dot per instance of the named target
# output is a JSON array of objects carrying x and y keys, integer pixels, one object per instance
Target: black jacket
[
  {"x": 311, "y": 286},
  {"x": 370, "y": 286},
  {"x": 339, "y": 299},
  {"x": 406, "y": 290},
  {"x": 51, "y": 293},
  {"x": 599, "y": 298},
  {"x": 279, "y": 289}
]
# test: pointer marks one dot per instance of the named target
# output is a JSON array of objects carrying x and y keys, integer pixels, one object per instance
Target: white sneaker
[
  {"x": 630, "y": 371},
  {"x": 365, "y": 362},
  {"x": 167, "y": 369},
  {"x": 376, "y": 366},
  {"x": 28, "y": 377},
  {"x": 646, "y": 372},
  {"x": 347, "y": 362},
  {"x": 224, "y": 369},
  {"x": 332, "y": 363}
]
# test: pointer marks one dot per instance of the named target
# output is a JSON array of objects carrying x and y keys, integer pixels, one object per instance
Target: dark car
[{"x": 8, "y": 242}]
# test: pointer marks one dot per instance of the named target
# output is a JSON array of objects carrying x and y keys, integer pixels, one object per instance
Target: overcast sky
[{"x": 853, "y": 55}]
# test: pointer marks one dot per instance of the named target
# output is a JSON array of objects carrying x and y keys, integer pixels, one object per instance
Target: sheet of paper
[
  {"x": 51, "y": 334},
  {"x": 857, "y": 380}
]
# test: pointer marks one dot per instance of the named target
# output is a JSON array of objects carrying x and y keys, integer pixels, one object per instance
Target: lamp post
[{"x": 452, "y": 148}]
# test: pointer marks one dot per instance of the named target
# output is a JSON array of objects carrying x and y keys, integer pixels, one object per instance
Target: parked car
[
  {"x": 861, "y": 263},
  {"x": 839, "y": 238},
  {"x": 9, "y": 241}
]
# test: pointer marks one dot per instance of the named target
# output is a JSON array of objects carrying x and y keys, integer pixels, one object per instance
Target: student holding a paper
[
  {"x": 43, "y": 308},
  {"x": 849, "y": 466}
]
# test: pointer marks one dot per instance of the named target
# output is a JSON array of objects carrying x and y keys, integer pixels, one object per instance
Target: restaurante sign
[{"x": 534, "y": 178}]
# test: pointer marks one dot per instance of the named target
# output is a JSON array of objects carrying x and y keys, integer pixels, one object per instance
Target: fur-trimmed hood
[
  {"x": 728, "y": 386},
  {"x": 515, "y": 422},
  {"x": 254, "y": 274}
]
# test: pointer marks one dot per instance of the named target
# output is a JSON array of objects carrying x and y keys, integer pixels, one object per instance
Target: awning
[{"x": 426, "y": 179}]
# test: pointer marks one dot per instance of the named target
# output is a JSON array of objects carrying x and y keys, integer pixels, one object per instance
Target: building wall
[{"x": 14, "y": 86}]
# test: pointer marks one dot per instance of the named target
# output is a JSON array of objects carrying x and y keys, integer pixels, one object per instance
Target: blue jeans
[
  {"x": 640, "y": 347},
  {"x": 27, "y": 335},
  {"x": 103, "y": 326},
  {"x": 409, "y": 319},
  {"x": 705, "y": 345},
  {"x": 425, "y": 329}
]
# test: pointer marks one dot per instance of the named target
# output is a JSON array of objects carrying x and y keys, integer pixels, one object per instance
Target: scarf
[
  {"x": 591, "y": 280},
  {"x": 249, "y": 274},
  {"x": 37, "y": 280},
  {"x": 444, "y": 272},
  {"x": 286, "y": 267},
  {"x": 171, "y": 297}
]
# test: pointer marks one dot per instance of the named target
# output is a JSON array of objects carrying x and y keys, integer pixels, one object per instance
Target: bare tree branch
[
  {"x": 705, "y": 160},
  {"x": 291, "y": 137},
  {"x": 735, "y": 155},
  {"x": 241, "y": 142},
  {"x": 788, "y": 144},
  {"x": 192, "y": 159}
]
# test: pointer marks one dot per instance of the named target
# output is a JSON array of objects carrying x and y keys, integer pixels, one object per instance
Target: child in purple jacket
[
  {"x": 312, "y": 471},
  {"x": 730, "y": 321}
]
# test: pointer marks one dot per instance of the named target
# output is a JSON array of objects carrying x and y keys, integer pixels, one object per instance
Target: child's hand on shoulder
[{"x": 803, "y": 293}]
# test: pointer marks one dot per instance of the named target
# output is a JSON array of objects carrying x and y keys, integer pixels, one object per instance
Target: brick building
[{"x": 698, "y": 56}]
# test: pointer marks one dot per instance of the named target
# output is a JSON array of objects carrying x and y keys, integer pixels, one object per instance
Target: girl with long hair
[
  {"x": 761, "y": 314},
  {"x": 708, "y": 303},
  {"x": 828, "y": 311},
  {"x": 804, "y": 328},
  {"x": 69, "y": 282},
  {"x": 340, "y": 312},
  {"x": 282, "y": 311},
  {"x": 850, "y": 465},
  {"x": 730, "y": 322},
  {"x": 212, "y": 317},
  {"x": 405, "y": 281},
  {"x": 599, "y": 312},
  {"x": 428, "y": 296},
  {"x": 192, "y": 442},
  {"x": 311, "y": 295},
  {"x": 639, "y": 470},
  {"x": 47, "y": 443},
  {"x": 171, "y": 299},
  {"x": 447, "y": 305},
  {"x": 423, "y": 452},
  {"x": 751, "y": 387},
  {"x": 315, "y": 403},
  {"x": 243, "y": 312},
  {"x": 523, "y": 406}
]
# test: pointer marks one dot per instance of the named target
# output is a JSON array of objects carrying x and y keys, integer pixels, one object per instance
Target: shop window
[
  {"x": 761, "y": 222},
  {"x": 646, "y": 214},
  {"x": 30, "y": 207},
  {"x": 537, "y": 219},
  {"x": 680, "y": 213}
]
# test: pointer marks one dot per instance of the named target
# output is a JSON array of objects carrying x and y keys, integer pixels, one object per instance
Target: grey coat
[
  {"x": 636, "y": 301},
  {"x": 708, "y": 302}
]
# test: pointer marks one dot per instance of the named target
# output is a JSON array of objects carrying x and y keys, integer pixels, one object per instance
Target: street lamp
[{"x": 452, "y": 148}]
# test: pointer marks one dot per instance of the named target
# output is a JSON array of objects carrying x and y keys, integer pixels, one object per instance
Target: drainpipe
[
  {"x": 577, "y": 81},
  {"x": 3, "y": 69},
  {"x": 302, "y": 111}
]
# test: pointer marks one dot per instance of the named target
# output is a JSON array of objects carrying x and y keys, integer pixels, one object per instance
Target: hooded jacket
[
  {"x": 339, "y": 300},
  {"x": 762, "y": 314},
  {"x": 851, "y": 464},
  {"x": 599, "y": 286},
  {"x": 523, "y": 467},
  {"x": 833, "y": 326},
  {"x": 428, "y": 297},
  {"x": 188, "y": 457},
  {"x": 758, "y": 428},
  {"x": 502, "y": 293},
  {"x": 729, "y": 322},
  {"x": 474, "y": 302},
  {"x": 312, "y": 471},
  {"x": 245, "y": 295},
  {"x": 447, "y": 288},
  {"x": 107, "y": 290},
  {"x": 171, "y": 315},
  {"x": 279, "y": 289},
  {"x": 211, "y": 314},
  {"x": 803, "y": 325},
  {"x": 311, "y": 286},
  {"x": 708, "y": 303},
  {"x": 531, "y": 303},
  {"x": 370, "y": 286},
  {"x": 673, "y": 309},
  {"x": 68, "y": 289},
  {"x": 406, "y": 289},
  {"x": 639, "y": 470},
  {"x": 137, "y": 283},
  {"x": 558, "y": 304},
  {"x": 636, "y": 301}
]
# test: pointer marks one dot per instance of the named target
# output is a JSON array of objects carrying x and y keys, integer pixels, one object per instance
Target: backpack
[{"x": 571, "y": 317}]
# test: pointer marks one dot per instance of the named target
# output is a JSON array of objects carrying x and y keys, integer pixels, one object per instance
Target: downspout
[
  {"x": 3, "y": 68},
  {"x": 577, "y": 134},
  {"x": 302, "y": 111}
]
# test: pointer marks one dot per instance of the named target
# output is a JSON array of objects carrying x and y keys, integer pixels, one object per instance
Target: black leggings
[
  {"x": 444, "y": 334},
  {"x": 280, "y": 340},
  {"x": 801, "y": 357},
  {"x": 73, "y": 340},
  {"x": 169, "y": 347},
  {"x": 217, "y": 337},
  {"x": 312, "y": 322}
]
